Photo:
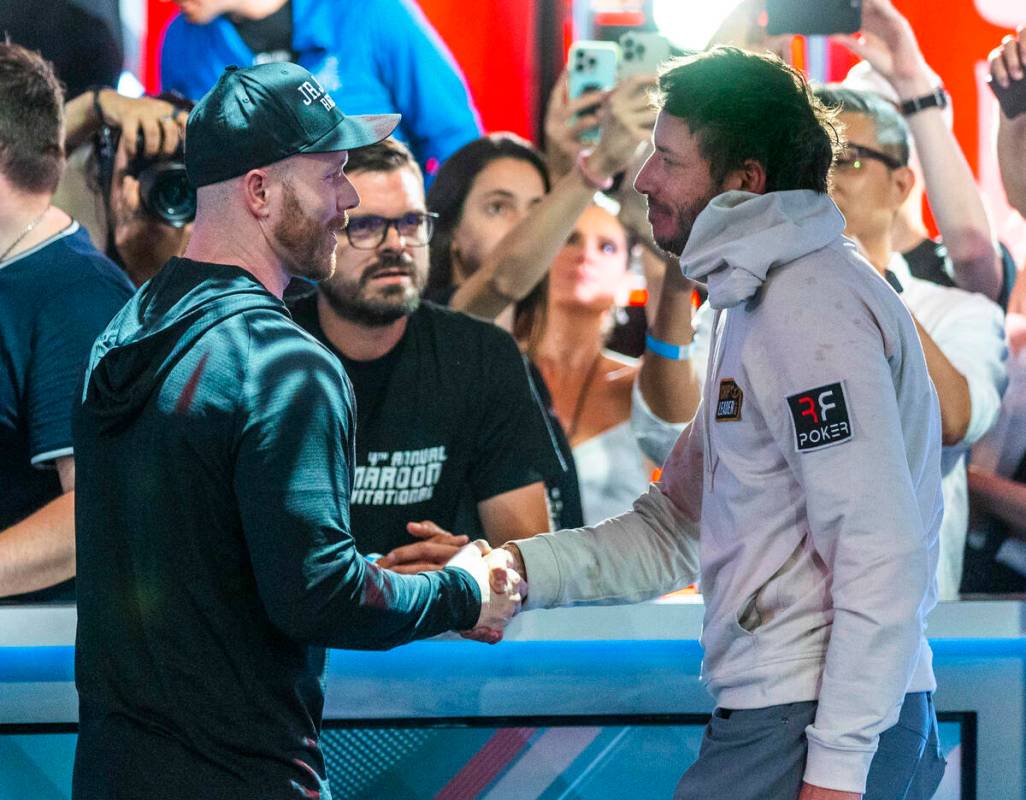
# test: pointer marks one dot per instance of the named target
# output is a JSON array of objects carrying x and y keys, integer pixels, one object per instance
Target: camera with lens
[{"x": 164, "y": 188}]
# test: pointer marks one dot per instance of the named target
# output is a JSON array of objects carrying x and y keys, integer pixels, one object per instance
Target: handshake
[{"x": 498, "y": 574}]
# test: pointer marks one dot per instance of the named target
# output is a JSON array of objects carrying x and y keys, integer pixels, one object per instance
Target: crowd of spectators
[{"x": 479, "y": 281}]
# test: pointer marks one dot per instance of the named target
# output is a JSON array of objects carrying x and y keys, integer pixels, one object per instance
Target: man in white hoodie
[{"x": 812, "y": 467}]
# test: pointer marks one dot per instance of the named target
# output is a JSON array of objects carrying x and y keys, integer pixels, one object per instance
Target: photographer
[{"x": 126, "y": 181}]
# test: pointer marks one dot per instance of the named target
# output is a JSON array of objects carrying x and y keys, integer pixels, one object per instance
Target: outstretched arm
[
  {"x": 889, "y": 45},
  {"x": 39, "y": 551},
  {"x": 522, "y": 258}
]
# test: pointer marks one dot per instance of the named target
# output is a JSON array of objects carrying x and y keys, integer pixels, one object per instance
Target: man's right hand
[{"x": 499, "y": 586}]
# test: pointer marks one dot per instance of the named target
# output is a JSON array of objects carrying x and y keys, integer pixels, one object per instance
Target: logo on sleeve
[
  {"x": 728, "y": 407},
  {"x": 820, "y": 417}
]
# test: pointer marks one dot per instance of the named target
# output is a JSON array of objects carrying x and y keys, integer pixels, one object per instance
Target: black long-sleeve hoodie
[{"x": 214, "y": 451}]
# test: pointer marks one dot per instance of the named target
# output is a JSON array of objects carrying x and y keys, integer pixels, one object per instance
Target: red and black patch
[
  {"x": 728, "y": 407},
  {"x": 820, "y": 417}
]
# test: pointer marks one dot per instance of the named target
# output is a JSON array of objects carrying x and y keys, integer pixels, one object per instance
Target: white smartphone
[
  {"x": 592, "y": 66},
  {"x": 642, "y": 53}
]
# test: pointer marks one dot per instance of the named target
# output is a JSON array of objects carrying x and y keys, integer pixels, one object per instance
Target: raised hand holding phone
[
  {"x": 1007, "y": 77},
  {"x": 592, "y": 67}
]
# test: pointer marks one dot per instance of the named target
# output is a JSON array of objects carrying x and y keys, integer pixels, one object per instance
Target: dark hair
[
  {"x": 384, "y": 156},
  {"x": 892, "y": 133},
  {"x": 453, "y": 183},
  {"x": 31, "y": 120},
  {"x": 747, "y": 106}
]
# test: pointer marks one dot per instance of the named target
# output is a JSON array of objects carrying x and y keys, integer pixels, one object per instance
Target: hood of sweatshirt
[
  {"x": 162, "y": 321},
  {"x": 739, "y": 237}
]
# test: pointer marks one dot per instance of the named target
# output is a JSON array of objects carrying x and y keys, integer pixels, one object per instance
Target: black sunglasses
[{"x": 854, "y": 154}]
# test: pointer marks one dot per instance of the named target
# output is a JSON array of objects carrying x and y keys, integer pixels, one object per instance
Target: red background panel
[
  {"x": 954, "y": 37},
  {"x": 494, "y": 41}
]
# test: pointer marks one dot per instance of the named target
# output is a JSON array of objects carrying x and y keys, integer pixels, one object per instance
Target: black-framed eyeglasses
[
  {"x": 367, "y": 232},
  {"x": 854, "y": 157}
]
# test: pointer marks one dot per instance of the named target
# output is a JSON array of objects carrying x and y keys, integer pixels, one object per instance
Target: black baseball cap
[{"x": 258, "y": 115}]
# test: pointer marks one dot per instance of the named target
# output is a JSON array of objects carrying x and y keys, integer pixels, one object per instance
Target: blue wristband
[{"x": 673, "y": 352}]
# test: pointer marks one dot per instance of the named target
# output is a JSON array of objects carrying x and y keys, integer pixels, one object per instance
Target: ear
[
  {"x": 749, "y": 177},
  {"x": 456, "y": 262},
  {"x": 256, "y": 191},
  {"x": 903, "y": 179}
]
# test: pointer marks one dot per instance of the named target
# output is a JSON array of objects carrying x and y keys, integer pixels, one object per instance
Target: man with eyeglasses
[
  {"x": 451, "y": 435},
  {"x": 962, "y": 333}
]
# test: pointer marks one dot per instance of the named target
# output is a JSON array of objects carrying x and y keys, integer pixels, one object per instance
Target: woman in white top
[{"x": 563, "y": 332}]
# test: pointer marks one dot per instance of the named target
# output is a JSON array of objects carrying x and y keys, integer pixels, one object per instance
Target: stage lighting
[{"x": 689, "y": 24}]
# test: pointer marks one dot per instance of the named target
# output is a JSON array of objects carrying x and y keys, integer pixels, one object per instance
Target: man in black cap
[{"x": 215, "y": 440}]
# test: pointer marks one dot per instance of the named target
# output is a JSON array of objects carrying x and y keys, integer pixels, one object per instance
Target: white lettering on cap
[{"x": 312, "y": 91}]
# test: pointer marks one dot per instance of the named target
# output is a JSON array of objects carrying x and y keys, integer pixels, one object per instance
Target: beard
[
  {"x": 684, "y": 221},
  {"x": 308, "y": 245},
  {"x": 375, "y": 307}
]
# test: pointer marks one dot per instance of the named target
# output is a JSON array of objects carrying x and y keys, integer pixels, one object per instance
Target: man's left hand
[
  {"x": 437, "y": 547},
  {"x": 810, "y": 792}
]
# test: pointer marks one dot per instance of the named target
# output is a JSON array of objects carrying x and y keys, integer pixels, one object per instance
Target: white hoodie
[{"x": 813, "y": 467}]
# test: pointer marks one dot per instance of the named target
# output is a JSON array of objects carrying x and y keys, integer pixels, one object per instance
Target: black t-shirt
[
  {"x": 446, "y": 419},
  {"x": 269, "y": 38},
  {"x": 54, "y": 301},
  {"x": 563, "y": 489},
  {"x": 930, "y": 261}
]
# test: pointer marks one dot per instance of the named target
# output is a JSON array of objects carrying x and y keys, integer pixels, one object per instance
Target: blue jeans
[{"x": 759, "y": 754}]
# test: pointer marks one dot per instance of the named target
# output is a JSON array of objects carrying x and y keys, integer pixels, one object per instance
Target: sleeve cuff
[
  {"x": 984, "y": 407},
  {"x": 544, "y": 583},
  {"x": 655, "y": 436},
  {"x": 842, "y": 770},
  {"x": 47, "y": 459},
  {"x": 469, "y": 598}
]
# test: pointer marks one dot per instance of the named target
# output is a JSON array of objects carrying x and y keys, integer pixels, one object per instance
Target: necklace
[
  {"x": 582, "y": 396},
  {"x": 24, "y": 233}
]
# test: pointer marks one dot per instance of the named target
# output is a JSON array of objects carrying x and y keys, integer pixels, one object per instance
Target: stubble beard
[
  {"x": 310, "y": 252},
  {"x": 351, "y": 299},
  {"x": 685, "y": 223}
]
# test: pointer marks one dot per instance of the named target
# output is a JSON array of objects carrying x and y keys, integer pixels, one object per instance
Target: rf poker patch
[
  {"x": 728, "y": 407},
  {"x": 820, "y": 417}
]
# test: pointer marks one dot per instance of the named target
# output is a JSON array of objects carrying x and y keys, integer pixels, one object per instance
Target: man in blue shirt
[
  {"x": 56, "y": 294},
  {"x": 383, "y": 55}
]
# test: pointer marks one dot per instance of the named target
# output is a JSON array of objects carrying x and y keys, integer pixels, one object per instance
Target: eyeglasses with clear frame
[
  {"x": 368, "y": 232},
  {"x": 854, "y": 157}
]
